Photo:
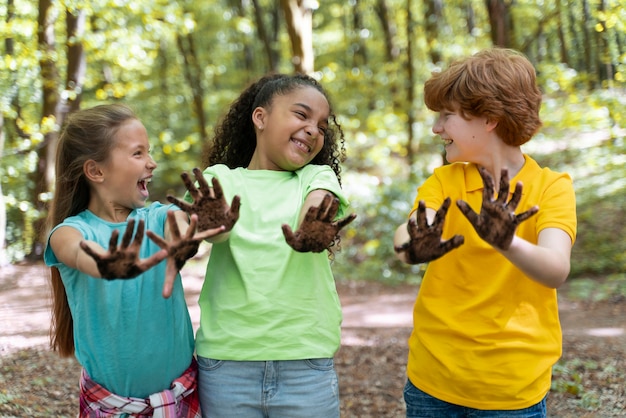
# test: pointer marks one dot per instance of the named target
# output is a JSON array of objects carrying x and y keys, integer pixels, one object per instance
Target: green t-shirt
[{"x": 262, "y": 300}]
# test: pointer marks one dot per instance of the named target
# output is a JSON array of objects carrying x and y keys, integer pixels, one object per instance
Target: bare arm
[
  {"x": 118, "y": 262},
  {"x": 548, "y": 262}
]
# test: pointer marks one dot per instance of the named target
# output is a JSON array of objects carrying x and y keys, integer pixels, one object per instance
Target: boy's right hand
[
  {"x": 209, "y": 204},
  {"x": 123, "y": 262},
  {"x": 425, "y": 242}
]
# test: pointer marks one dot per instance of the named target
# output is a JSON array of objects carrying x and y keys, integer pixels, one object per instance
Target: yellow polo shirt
[{"x": 485, "y": 335}]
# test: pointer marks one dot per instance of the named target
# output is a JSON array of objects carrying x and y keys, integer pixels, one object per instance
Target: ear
[
  {"x": 93, "y": 172},
  {"x": 491, "y": 124},
  {"x": 258, "y": 118}
]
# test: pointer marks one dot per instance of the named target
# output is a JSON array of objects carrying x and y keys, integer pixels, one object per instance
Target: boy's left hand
[
  {"x": 181, "y": 248},
  {"x": 497, "y": 221},
  {"x": 317, "y": 230}
]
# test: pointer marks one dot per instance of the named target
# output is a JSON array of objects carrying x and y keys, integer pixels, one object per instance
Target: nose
[
  {"x": 311, "y": 131},
  {"x": 437, "y": 127},
  {"x": 151, "y": 163}
]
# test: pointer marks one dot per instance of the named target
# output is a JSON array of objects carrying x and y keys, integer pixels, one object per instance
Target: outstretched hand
[
  {"x": 123, "y": 262},
  {"x": 181, "y": 248},
  {"x": 209, "y": 204},
  {"x": 425, "y": 242},
  {"x": 317, "y": 230},
  {"x": 497, "y": 221}
]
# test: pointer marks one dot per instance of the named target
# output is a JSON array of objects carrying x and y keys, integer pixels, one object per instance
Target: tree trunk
[
  {"x": 561, "y": 25},
  {"x": 501, "y": 22},
  {"x": 410, "y": 74},
  {"x": 193, "y": 75},
  {"x": 358, "y": 47},
  {"x": 76, "y": 63},
  {"x": 43, "y": 176},
  {"x": 272, "y": 62},
  {"x": 433, "y": 17},
  {"x": 248, "y": 54},
  {"x": 299, "y": 18}
]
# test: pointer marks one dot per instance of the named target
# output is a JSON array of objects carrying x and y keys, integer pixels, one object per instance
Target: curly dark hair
[{"x": 234, "y": 140}]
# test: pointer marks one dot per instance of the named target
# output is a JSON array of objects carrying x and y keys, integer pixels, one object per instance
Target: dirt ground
[{"x": 590, "y": 380}]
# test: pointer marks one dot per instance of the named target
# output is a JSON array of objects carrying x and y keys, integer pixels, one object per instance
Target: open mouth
[
  {"x": 447, "y": 142},
  {"x": 304, "y": 147},
  {"x": 142, "y": 185}
]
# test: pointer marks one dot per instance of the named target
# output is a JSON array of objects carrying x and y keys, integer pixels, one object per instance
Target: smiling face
[
  {"x": 465, "y": 140},
  {"x": 290, "y": 132},
  {"x": 122, "y": 179}
]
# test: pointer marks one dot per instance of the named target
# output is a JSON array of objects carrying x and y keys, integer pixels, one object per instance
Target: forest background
[{"x": 180, "y": 64}]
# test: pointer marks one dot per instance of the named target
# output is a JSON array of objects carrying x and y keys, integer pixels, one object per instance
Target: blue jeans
[
  {"x": 422, "y": 405},
  {"x": 268, "y": 389}
]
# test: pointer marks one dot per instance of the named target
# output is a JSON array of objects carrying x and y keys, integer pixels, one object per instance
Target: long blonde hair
[{"x": 87, "y": 135}]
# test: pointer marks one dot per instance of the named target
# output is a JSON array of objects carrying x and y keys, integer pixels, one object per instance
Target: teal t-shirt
[
  {"x": 262, "y": 300},
  {"x": 127, "y": 336}
]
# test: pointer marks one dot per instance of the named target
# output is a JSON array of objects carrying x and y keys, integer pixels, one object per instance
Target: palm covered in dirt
[
  {"x": 497, "y": 222},
  {"x": 208, "y": 204},
  {"x": 317, "y": 230}
]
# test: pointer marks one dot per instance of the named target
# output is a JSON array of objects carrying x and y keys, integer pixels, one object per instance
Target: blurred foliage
[{"x": 133, "y": 56}]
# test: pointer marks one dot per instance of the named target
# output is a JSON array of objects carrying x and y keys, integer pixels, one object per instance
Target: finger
[
  {"x": 208, "y": 233},
  {"x": 312, "y": 213},
  {"x": 411, "y": 227},
  {"x": 218, "y": 192},
  {"x": 322, "y": 212},
  {"x": 289, "y": 235},
  {"x": 525, "y": 215},
  {"x": 193, "y": 226},
  {"x": 489, "y": 187},
  {"x": 234, "y": 209},
  {"x": 202, "y": 183},
  {"x": 191, "y": 188},
  {"x": 86, "y": 248},
  {"x": 503, "y": 193},
  {"x": 441, "y": 214},
  {"x": 139, "y": 234},
  {"x": 515, "y": 199},
  {"x": 157, "y": 239},
  {"x": 174, "y": 230},
  {"x": 113, "y": 241},
  {"x": 128, "y": 234},
  {"x": 332, "y": 209},
  {"x": 345, "y": 221},
  {"x": 153, "y": 260},
  {"x": 401, "y": 248},
  {"x": 466, "y": 210},
  {"x": 180, "y": 203},
  {"x": 454, "y": 242},
  {"x": 422, "y": 222},
  {"x": 170, "y": 277}
]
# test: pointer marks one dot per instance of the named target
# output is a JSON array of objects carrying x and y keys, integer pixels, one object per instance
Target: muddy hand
[
  {"x": 425, "y": 242},
  {"x": 209, "y": 204},
  {"x": 123, "y": 262},
  {"x": 317, "y": 231},
  {"x": 181, "y": 248},
  {"x": 496, "y": 223}
]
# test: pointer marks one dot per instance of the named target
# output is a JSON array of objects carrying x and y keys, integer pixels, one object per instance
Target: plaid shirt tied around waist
[{"x": 180, "y": 401}]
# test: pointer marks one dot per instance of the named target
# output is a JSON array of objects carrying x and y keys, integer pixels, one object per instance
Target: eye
[{"x": 300, "y": 114}]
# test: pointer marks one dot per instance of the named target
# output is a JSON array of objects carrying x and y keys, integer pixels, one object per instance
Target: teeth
[
  {"x": 302, "y": 145},
  {"x": 447, "y": 141}
]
